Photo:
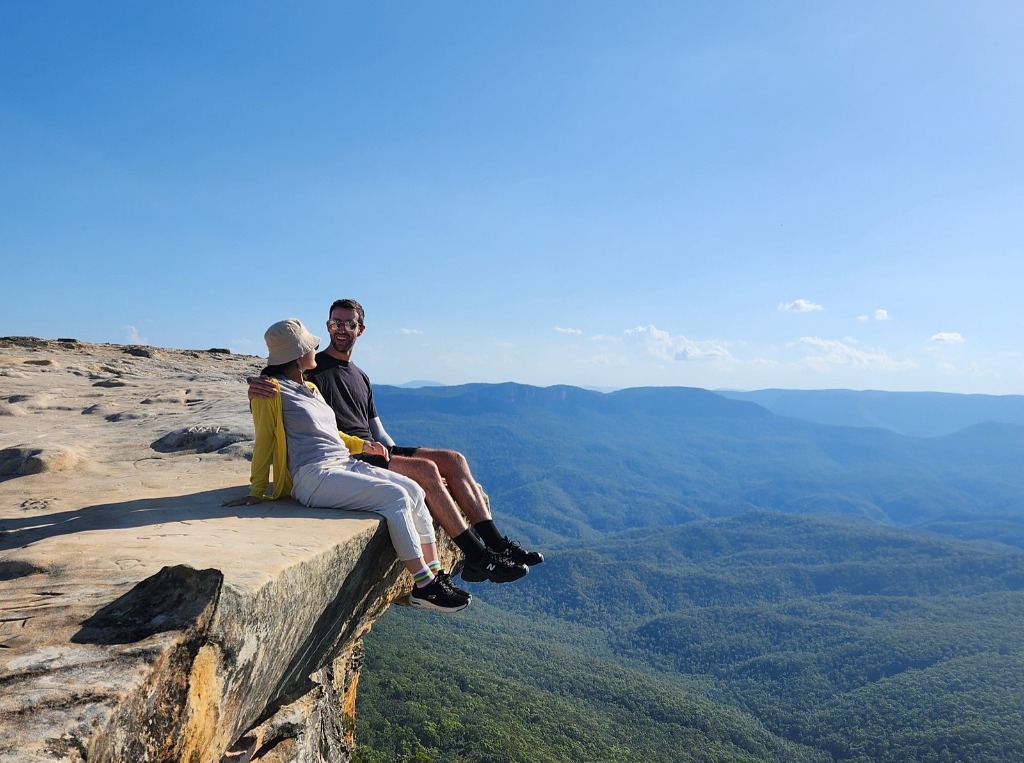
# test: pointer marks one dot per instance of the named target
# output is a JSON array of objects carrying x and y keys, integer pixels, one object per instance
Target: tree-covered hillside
[
  {"x": 721, "y": 584},
  {"x": 489, "y": 687},
  {"x": 759, "y": 637}
]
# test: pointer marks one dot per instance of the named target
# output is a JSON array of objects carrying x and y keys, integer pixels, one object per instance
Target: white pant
[{"x": 356, "y": 486}]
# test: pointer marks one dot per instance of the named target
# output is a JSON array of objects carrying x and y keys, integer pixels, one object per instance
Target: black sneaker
[
  {"x": 520, "y": 555},
  {"x": 497, "y": 568},
  {"x": 447, "y": 578},
  {"x": 439, "y": 596}
]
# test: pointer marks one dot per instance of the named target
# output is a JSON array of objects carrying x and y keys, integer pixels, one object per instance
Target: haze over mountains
[{"x": 923, "y": 414}]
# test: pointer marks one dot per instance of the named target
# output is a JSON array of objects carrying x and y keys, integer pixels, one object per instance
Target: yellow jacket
[{"x": 271, "y": 448}]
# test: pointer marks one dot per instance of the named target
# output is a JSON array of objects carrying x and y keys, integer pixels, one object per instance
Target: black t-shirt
[{"x": 347, "y": 390}]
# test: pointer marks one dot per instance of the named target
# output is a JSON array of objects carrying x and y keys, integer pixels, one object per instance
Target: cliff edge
[{"x": 141, "y": 620}]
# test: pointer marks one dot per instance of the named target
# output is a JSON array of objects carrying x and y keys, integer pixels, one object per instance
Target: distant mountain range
[
  {"x": 417, "y": 383},
  {"x": 922, "y": 414},
  {"x": 569, "y": 463}
]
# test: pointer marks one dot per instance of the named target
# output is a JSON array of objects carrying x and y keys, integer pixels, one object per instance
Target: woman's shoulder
[{"x": 264, "y": 402}]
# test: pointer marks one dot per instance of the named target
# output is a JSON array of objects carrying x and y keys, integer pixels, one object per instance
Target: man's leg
[
  {"x": 443, "y": 467},
  {"x": 481, "y": 563},
  {"x": 450, "y": 468},
  {"x": 442, "y": 507}
]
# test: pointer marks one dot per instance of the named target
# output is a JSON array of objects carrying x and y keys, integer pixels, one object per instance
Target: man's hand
[{"x": 261, "y": 386}]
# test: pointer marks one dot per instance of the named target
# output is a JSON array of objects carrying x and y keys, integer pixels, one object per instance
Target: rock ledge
[{"x": 139, "y": 619}]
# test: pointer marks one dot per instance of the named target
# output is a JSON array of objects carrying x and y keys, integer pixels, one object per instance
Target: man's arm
[{"x": 379, "y": 434}]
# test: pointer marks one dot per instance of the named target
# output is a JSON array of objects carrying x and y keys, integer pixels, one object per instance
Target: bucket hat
[{"x": 288, "y": 340}]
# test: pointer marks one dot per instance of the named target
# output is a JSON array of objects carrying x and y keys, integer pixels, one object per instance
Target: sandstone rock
[
  {"x": 143, "y": 621},
  {"x": 27, "y": 460},
  {"x": 200, "y": 439}
]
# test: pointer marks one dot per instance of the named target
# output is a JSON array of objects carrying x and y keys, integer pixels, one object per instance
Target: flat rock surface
[
  {"x": 117, "y": 464},
  {"x": 114, "y": 462}
]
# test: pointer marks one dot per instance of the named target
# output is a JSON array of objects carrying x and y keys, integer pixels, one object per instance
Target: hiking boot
[
  {"x": 497, "y": 568},
  {"x": 439, "y": 596},
  {"x": 520, "y": 555}
]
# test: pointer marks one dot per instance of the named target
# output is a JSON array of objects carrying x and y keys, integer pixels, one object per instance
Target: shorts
[{"x": 383, "y": 463}]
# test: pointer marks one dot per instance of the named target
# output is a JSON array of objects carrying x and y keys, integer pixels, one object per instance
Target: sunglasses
[{"x": 334, "y": 325}]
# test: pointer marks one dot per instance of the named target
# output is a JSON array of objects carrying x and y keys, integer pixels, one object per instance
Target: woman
[{"x": 296, "y": 432}]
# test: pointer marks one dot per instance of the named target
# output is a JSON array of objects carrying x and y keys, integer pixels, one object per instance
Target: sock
[
  {"x": 423, "y": 577},
  {"x": 489, "y": 534},
  {"x": 470, "y": 545},
  {"x": 435, "y": 566}
]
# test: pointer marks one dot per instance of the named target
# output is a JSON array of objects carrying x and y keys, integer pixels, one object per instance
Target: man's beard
[{"x": 343, "y": 345}]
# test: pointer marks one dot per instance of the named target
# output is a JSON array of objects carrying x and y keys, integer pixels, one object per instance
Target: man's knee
[
  {"x": 450, "y": 463},
  {"x": 424, "y": 471}
]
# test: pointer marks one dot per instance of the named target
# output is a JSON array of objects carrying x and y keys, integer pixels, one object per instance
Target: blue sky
[{"x": 607, "y": 194}]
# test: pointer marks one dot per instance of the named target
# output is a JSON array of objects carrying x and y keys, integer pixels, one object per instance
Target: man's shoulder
[
  {"x": 326, "y": 363},
  {"x": 357, "y": 370},
  {"x": 323, "y": 358}
]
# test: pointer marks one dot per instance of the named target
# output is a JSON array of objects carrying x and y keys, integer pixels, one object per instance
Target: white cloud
[
  {"x": 574, "y": 332},
  {"x": 947, "y": 338},
  {"x": 612, "y": 361},
  {"x": 411, "y": 332},
  {"x": 132, "y": 336},
  {"x": 881, "y": 314},
  {"x": 844, "y": 353},
  {"x": 663, "y": 345},
  {"x": 799, "y": 306}
]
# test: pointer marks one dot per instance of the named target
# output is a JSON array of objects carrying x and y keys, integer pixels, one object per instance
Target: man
[{"x": 451, "y": 490}]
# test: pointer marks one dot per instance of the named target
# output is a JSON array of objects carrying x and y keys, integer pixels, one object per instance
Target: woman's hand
[
  {"x": 375, "y": 449},
  {"x": 249, "y": 500}
]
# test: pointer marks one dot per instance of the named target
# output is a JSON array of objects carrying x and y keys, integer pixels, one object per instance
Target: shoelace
[
  {"x": 504, "y": 559},
  {"x": 511, "y": 546},
  {"x": 447, "y": 584}
]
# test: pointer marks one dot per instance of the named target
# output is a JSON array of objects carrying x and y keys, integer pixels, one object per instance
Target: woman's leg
[
  {"x": 420, "y": 514},
  {"x": 421, "y": 518},
  {"x": 338, "y": 486},
  {"x": 356, "y": 486}
]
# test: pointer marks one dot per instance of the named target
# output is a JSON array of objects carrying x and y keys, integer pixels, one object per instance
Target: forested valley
[{"x": 721, "y": 584}]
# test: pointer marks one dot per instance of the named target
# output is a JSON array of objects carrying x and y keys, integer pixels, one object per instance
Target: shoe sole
[
  {"x": 471, "y": 576},
  {"x": 430, "y": 606},
  {"x": 530, "y": 564}
]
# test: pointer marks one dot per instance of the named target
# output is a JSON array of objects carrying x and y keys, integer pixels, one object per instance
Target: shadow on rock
[{"x": 175, "y": 599}]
